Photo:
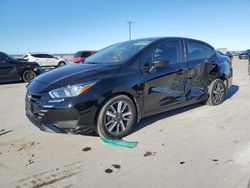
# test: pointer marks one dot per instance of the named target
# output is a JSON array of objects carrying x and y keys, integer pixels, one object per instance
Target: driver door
[{"x": 165, "y": 86}]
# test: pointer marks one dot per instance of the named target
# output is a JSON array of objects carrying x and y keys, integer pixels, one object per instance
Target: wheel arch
[
  {"x": 22, "y": 71},
  {"x": 61, "y": 61},
  {"x": 224, "y": 79}
]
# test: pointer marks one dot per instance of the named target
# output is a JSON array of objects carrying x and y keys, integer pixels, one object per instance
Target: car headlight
[{"x": 71, "y": 90}]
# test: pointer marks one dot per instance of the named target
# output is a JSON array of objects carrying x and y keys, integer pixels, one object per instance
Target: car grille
[{"x": 34, "y": 108}]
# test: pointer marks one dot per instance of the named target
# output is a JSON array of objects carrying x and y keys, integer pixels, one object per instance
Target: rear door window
[
  {"x": 48, "y": 56},
  {"x": 37, "y": 55}
]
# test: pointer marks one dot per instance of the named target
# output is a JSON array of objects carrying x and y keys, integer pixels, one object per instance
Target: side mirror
[{"x": 158, "y": 64}]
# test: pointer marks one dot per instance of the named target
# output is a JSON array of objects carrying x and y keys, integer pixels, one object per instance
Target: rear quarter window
[
  {"x": 209, "y": 51},
  {"x": 198, "y": 51},
  {"x": 195, "y": 51}
]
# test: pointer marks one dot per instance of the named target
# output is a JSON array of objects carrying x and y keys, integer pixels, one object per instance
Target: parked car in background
[
  {"x": 12, "y": 69},
  {"x": 45, "y": 59},
  {"x": 82, "y": 55},
  {"x": 245, "y": 55},
  {"x": 236, "y": 53},
  {"x": 123, "y": 83}
]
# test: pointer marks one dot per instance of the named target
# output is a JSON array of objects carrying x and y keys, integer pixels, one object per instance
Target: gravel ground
[{"x": 196, "y": 146}]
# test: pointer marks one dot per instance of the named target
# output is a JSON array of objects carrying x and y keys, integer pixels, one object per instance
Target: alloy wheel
[
  {"x": 218, "y": 93},
  {"x": 118, "y": 117}
]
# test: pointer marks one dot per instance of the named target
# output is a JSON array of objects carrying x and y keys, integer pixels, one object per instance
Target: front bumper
[{"x": 59, "y": 116}]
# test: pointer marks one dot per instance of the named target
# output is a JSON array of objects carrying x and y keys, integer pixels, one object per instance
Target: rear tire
[
  {"x": 61, "y": 63},
  {"x": 217, "y": 92},
  {"x": 116, "y": 117},
  {"x": 28, "y": 75}
]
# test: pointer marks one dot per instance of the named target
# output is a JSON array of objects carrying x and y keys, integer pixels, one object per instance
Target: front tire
[
  {"x": 28, "y": 75},
  {"x": 116, "y": 118},
  {"x": 217, "y": 92}
]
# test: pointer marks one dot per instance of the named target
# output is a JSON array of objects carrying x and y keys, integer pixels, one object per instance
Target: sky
[{"x": 66, "y": 26}]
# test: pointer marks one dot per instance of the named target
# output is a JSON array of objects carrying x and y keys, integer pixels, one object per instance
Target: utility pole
[{"x": 129, "y": 28}]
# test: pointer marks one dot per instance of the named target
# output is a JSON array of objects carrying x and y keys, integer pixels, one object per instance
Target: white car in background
[{"x": 45, "y": 59}]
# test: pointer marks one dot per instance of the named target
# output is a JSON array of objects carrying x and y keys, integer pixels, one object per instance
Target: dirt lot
[{"x": 196, "y": 146}]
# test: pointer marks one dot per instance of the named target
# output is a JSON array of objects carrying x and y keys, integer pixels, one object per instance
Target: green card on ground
[{"x": 121, "y": 143}]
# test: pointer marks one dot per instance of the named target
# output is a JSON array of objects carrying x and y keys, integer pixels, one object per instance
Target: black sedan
[
  {"x": 125, "y": 82},
  {"x": 245, "y": 55},
  {"x": 12, "y": 70}
]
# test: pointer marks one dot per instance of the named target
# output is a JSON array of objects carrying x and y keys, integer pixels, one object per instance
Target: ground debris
[
  {"x": 29, "y": 162},
  {"x": 149, "y": 153},
  {"x": 116, "y": 166},
  {"x": 108, "y": 171},
  {"x": 86, "y": 149}
]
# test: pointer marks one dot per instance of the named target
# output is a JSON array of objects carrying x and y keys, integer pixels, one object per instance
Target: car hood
[{"x": 71, "y": 74}]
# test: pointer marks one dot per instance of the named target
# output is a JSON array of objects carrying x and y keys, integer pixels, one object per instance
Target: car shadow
[
  {"x": 11, "y": 82},
  {"x": 231, "y": 91},
  {"x": 152, "y": 119}
]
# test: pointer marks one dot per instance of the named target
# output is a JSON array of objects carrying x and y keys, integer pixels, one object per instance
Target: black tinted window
[
  {"x": 169, "y": 51},
  {"x": 195, "y": 51},
  {"x": 85, "y": 54},
  {"x": 38, "y": 55},
  {"x": 48, "y": 56},
  {"x": 44, "y": 56}
]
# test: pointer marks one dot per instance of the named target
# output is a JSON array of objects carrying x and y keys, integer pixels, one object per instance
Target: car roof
[
  {"x": 39, "y": 53},
  {"x": 86, "y": 51},
  {"x": 154, "y": 39}
]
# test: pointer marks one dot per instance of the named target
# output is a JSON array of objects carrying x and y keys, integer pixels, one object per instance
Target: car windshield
[
  {"x": 118, "y": 53},
  {"x": 77, "y": 54}
]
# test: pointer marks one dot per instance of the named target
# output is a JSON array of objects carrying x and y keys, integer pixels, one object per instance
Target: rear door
[
  {"x": 165, "y": 86},
  {"x": 51, "y": 60},
  {"x": 37, "y": 59},
  {"x": 199, "y": 58},
  {"x": 41, "y": 59}
]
